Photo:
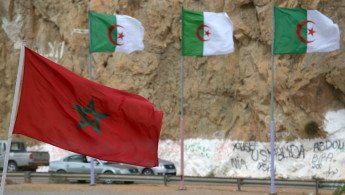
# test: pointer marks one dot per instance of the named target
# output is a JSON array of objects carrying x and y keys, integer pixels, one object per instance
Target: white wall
[{"x": 300, "y": 159}]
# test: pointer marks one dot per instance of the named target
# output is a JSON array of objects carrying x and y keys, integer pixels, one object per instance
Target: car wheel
[
  {"x": 12, "y": 166},
  {"x": 108, "y": 181},
  {"x": 61, "y": 171},
  {"x": 58, "y": 178},
  {"x": 147, "y": 172}
]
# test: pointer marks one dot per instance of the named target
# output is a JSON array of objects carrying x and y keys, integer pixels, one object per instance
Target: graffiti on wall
[
  {"x": 318, "y": 157},
  {"x": 55, "y": 51}
]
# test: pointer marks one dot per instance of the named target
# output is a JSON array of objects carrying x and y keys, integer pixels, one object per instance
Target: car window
[
  {"x": 109, "y": 163},
  {"x": 2, "y": 148},
  {"x": 95, "y": 161},
  {"x": 17, "y": 147},
  {"x": 76, "y": 158}
]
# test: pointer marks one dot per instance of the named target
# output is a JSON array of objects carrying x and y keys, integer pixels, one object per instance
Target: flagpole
[
  {"x": 92, "y": 175},
  {"x": 272, "y": 110},
  {"x": 181, "y": 122},
  {"x": 13, "y": 115},
  {"x": 182, "y": 130}
]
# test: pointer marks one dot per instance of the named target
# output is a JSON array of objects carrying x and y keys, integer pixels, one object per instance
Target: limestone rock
[{"x": 225, "y": 96}]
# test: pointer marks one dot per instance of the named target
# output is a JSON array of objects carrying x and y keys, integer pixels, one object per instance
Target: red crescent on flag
[
  {"x": 110, "y": 30},
  {"x": 198, "y": 32},
  {"x": 298, "y": 31}
]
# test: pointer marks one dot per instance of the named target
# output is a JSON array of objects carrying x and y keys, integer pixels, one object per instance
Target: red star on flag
[
  {"x": 207, "y": 33},
  {"x": 311, "y": 31},
  {"x": 121, "y": 35}
]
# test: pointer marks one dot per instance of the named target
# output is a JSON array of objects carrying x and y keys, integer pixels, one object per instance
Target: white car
[
  {"x": 78, "y": 163},
  {"x": 164, "y": 168}
]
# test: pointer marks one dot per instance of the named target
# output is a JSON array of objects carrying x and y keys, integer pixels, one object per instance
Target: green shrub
[
  {"x": 339, "y": 191},
  {"x": 311, "y": 128}
]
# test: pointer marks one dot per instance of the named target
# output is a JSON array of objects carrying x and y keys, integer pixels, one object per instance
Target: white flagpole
[
  {"x": 272, "y": 111},
  {"x": 92, "y": 175},
  {"x": 13, "y": 115},
  {"x": 181, "y": 123},
  {"x": 182, "y": 130}
]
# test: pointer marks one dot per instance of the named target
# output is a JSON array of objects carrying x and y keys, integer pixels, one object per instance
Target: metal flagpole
[
  {"x": 182, "y": 130},
  {"x": 272, "y": 102},
  {"x": 92, "y": 175},
  {"x": 181, "y": 123},
  {"x": 13, "y": 115}
]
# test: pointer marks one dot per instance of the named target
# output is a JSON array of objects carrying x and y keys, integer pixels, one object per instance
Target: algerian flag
[
  {"x": 109, "y": 33},
  {"x": 303, "y": 31},
  {"x": 206, "y": 33}
]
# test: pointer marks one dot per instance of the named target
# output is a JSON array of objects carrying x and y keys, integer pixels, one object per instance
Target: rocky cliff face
[{"x": 224, "y": 96}]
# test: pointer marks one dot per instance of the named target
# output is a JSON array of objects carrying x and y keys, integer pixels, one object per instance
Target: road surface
[{"x": 143, "y": 189}]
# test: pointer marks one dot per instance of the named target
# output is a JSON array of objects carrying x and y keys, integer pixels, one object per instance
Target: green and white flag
[
  {"x": 206, "y": 33},
  {"x": 120, "y": 33},
  {"x": 304, "y": 31}
]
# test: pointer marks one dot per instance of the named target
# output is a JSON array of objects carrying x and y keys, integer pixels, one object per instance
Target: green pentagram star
[{"x": 84, "y": 111}]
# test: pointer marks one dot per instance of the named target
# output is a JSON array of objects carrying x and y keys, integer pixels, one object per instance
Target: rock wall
[{"x": 225, "y": 97}]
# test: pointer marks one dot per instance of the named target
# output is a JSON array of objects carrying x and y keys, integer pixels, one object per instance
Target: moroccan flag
[
  {"x": 120, "y": 33},
  {"x": 206, "y": 33},
  {"x": 304, "y": 31},
  {"x": 66, "y": 110}
]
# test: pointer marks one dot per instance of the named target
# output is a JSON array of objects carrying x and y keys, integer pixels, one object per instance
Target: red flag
[{"x": 66, "y": 110}]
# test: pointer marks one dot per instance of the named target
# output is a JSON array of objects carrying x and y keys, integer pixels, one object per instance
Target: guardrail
[{"x": 164, "y": 179}]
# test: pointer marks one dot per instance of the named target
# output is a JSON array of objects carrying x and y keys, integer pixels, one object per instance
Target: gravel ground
[{"x": 156, "y": 189}]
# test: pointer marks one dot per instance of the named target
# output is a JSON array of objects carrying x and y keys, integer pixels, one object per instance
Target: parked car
[
  {"x": 78, "y": 163},
  {"x": 164, "y": 168},
  {"x": 20, "y": 158}
]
